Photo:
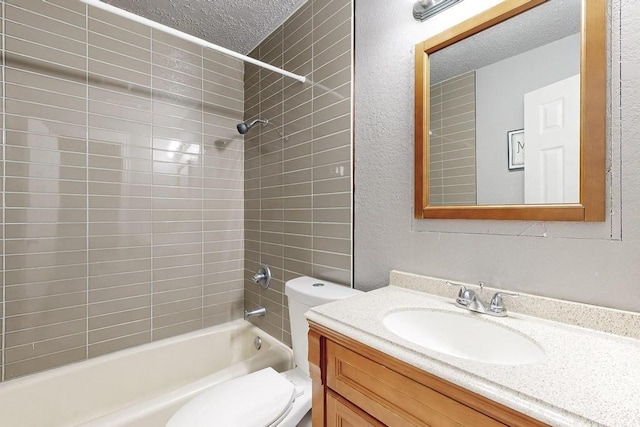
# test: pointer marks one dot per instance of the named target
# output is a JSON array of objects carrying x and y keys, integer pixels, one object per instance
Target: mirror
[{"x": 523, "y": 74}]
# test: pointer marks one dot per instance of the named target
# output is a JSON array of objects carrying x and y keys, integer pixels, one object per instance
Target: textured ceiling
[
  {"x": 239, "y": 25},
  {"x": 543, "y": 24}
]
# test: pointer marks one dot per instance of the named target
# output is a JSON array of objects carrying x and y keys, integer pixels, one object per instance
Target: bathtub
[{"x": 141, "y": 386}]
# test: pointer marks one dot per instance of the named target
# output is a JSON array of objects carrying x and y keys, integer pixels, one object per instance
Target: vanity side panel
[{"x": 318, "y": 391}]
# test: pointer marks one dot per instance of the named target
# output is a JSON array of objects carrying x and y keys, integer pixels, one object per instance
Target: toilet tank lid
[{"x": 314, "y": 292}]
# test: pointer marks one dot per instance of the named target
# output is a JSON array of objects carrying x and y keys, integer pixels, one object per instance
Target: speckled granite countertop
[{"x": 587, "y": 378}]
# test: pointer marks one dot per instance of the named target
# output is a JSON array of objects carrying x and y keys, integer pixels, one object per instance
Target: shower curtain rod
[{"x": 185, "y": 36}]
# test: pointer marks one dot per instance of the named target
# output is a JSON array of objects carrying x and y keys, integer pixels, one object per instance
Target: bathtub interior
[{"x": 142, "y": 385}]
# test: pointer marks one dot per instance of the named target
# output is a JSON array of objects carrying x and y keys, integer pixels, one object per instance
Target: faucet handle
[
  {"x": 465, "y": 296},
  {"x": 496, "y": 306}
]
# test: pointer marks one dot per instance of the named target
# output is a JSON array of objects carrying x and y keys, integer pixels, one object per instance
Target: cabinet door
[{"x": 341, "y": 413}]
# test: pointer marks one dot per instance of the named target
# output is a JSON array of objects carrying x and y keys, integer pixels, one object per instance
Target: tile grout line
[
  {"x": 351, "y": 141},
  {"x": 4, "y": 199},
  {"x": 86, "y": 76},
  {"x": 151, "y": 34},
  {"x": 202, "y": 168}
]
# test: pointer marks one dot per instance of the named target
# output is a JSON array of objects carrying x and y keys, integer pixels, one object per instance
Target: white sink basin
[{"x": 465, "y": 336}]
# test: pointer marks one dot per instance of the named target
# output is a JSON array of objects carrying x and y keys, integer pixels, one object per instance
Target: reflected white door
[{"x": 552, "y": 143}]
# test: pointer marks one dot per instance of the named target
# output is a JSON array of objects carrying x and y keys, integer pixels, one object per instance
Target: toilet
[{"x": 266, "y": 398}]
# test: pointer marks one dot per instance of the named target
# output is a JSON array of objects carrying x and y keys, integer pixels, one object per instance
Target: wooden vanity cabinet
[{"x": 356, "y": 385}]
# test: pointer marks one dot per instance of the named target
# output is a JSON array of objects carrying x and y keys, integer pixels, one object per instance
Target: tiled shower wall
[
  {"x": 298, "y": 188},
  {"x": 123, "y": 210},
  {"x": 452, "y": 143}
]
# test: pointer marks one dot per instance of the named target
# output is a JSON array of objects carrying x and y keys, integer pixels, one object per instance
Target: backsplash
[
  {"x": 298, "y": 189},
  {"x": 619, "y": 322},
  {"x": 123, "y": 214}
]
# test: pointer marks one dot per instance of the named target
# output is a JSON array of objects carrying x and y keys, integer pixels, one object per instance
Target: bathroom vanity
[
  {"x": 364, "y": 374},
  {"x": 354, "y": 384}
]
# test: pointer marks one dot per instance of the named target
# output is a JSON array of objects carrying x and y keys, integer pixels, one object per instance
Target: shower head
[{"x": 244, "y": 127}]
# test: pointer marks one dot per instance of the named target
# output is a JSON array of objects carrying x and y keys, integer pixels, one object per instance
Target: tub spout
[{"x": 260, "y": 311}]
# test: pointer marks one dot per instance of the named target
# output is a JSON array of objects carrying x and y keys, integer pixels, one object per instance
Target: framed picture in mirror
[{"x": 515, "y": 140}]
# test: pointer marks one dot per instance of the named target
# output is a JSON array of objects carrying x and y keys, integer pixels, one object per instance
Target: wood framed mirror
[{"x": 549, "y": 195}]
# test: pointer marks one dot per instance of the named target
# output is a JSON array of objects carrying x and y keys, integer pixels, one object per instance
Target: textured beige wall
[
  {"x": 593, "y": 263},
  {"x": 123, "y": 220},
  {"x": 298, "y": 190}
]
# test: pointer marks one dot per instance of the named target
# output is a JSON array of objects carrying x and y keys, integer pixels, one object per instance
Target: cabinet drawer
[
  {"x": 341, "y": 413},
  {"x": 391, "y": 397}
]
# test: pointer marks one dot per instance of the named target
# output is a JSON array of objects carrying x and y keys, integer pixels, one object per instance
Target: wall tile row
[
  {"x": 298, "y": 189},
  {"x": 124, "y": 189}
]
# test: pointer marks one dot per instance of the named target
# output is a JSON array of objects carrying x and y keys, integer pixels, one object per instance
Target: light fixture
[{"x": 425, "y": 9}]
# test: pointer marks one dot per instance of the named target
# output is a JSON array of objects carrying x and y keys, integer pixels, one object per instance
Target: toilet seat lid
[{"x": 256, "y": 399}]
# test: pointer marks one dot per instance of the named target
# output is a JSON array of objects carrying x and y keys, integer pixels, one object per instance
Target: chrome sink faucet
[{"x": 468, "y": 298}]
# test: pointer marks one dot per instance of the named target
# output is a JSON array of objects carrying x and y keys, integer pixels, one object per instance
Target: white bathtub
[{"x": 141, "y": 386}]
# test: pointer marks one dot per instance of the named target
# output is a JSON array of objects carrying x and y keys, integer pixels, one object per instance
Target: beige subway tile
[
  {"x": 222, "y": 77},
  {"x": 44, "y": 97},
  {"x": 120, "y": 305},
  {"x": 332, "y": 126},
  {"x": 31, "y": 231},
  {"x": 43, "y": 318},
  {"x": 119, "y": 292},
  {"x": 38, "y": 260},
  {"x": 13, "y": 370},
  {"x": 332, "y": 274},
  {"x": 119, "y": 254},
  {"x": 31, "y": 156},
  {"x": 62, "y": 37},
  {"x": 117, "y": 318},
  {"x": 113, "y": 202},
  {"x": 45, "y": 216},
  {"x": 45, "y": 289},
  {"x": 41, "y": 53},
  {"x": 35, "y": 80},
  {"x": 339, "y": 215},
  {"x": 50, "y": 331},
  {"x": 302, "y": 228},
  {"x": 41, "y": 111},
  {"x": 329, "y": 186},
  {"x": 60, "y": 10},
  {"x": 333, "y": 42},
  {"x": 49, "y": 346},
  {"x": 43, "y": 170},
  {"x": 334, "y": 156},
  {"x": 176, "y": 329},
  {"x": 336, "y": 170},
  {"x": 113, "y": 72},
  {"x": 118, "y": 21},
  {"x": 340, "y": 63},
  {"x": 341, "y": 231},
  {"x": 119, "y": 266},
  {"x": 121, "y": 343},
  {"x": 102, "y": 242},
  {"x": 175, "y": 315},
  {"x": 130, "y": 127},
  {"x": 110, "y": 229},
  {"x": 298, "y": 215},
  {"x": 44, "y": 303},
  {"x": 108, "y": 36},
  {"x": 322, "y": 11},
  {"x": 33, "y": 200},
  {"x": 119, "y": 331}
]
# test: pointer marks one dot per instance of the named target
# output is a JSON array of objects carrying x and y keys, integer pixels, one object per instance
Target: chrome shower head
[{"x": 244, "y": 127}]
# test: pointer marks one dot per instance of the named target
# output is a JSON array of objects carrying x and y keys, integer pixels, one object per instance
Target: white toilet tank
[{"x": 304, "y": 293}]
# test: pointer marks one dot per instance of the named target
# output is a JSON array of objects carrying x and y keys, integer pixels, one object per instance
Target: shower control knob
[{"x": 262, "y": 277}]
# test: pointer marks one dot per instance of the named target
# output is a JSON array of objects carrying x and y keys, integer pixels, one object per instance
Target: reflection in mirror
[
  {"x": 541, "y": 50},
  {"x": 504, "y": 90}
]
